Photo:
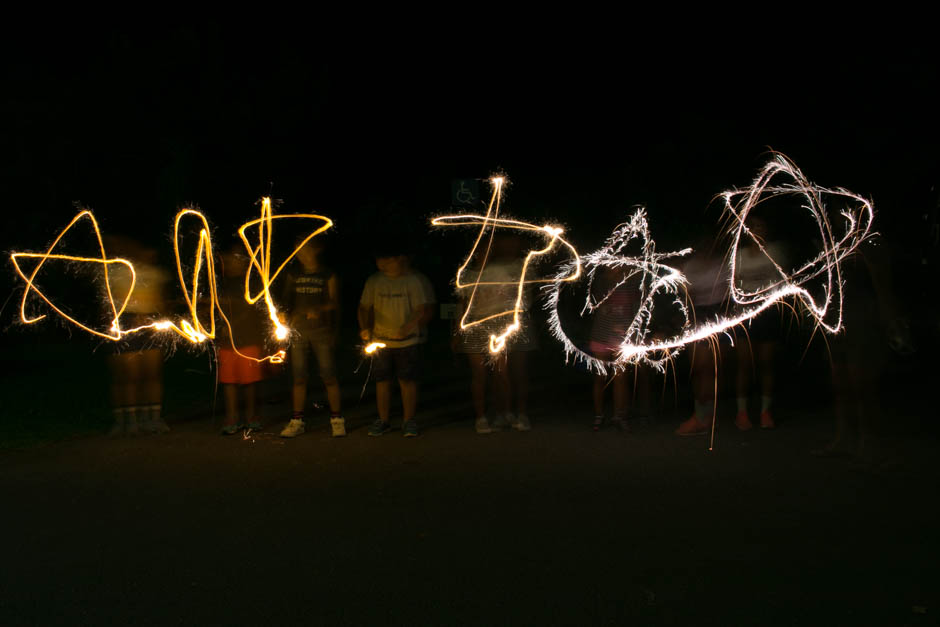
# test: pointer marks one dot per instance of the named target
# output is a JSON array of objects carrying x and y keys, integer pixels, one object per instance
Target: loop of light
[
  {"x": 636, "y": 348},
  {"x": 492, "y": 221},
  {"x": 192, "y": 329}
]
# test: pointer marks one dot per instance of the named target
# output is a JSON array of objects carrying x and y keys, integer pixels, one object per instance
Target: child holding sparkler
[
  {"x": 396, "y": 306},
  {"x": 707, "y": 290},
  {"x": 137, "y": 365},
  {"x": 238, "y": 371},
  {"x": 494, "y": 295},
  {"x": 311, "y": 299},
  {"x": 756, "y": 271},
  {"x": 617, "y": 299}
]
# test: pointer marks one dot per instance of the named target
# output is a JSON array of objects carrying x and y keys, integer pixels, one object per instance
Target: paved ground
[{"x": 556, "y": 526}]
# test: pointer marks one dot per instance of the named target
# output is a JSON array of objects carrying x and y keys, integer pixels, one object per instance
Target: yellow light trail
[
  {"x": 261, "y": 257},
  {"x": 492, "y": 219},
  {"x": 192, "y": 329}
]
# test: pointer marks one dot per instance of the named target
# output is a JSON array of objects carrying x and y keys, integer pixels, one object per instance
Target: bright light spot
[{"x": 374, "y": 346}]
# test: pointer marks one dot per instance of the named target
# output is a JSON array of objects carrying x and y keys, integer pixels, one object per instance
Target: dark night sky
[{"x": 137, "y": 122}]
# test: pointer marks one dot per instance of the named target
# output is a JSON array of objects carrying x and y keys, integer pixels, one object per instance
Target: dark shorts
[{"x": 404, "y": 363}]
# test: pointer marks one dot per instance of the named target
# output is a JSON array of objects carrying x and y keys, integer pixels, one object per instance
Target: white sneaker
[
  {"x": 294, "y": 428},
  {"x": 339, "y": 426},
  {"x": 483, "y": 425},
  {"x": 521, "y": 423}
]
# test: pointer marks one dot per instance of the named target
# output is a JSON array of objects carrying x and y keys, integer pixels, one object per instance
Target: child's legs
[
  {"x": 745, "y": 367},
  {"x": 704, "y": 362},
  {"x": 299, "y": 370},
  {"x": 502, "y": 389},
  {"x": 478, "y": 376},
  {"x": 408, "y": 367},
  {"x": 230, "y": 392},
  {"x": 766, "y": 351},
  {"x": 382, "y": 371},
  {"x": 519, "y": 373},
  {"x": 323, "y": 349},
  {"x": 250, "y": 394},
  {"x": 125, "y": 373},
  {"x": 151, "y": 377},
  {"x": 600, "y": 382},
  {"x": 409, "y": 398},
  {"x": 621, "y": 383}
]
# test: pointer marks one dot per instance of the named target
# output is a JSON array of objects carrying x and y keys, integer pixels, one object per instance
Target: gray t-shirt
[{"x": 395, "y": 300}]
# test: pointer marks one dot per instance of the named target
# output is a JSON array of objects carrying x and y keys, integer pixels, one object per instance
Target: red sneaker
[
  {"x": 766, "y": 420},
  {"x": 693, "y": 426},
  {"x": 742, "y": 422}
]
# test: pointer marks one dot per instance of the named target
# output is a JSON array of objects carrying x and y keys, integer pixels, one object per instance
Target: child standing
[
  {"x": 312, "y": 300},
  {"x": 238, "y": 371},
  {"x": 396, "y": 306}
]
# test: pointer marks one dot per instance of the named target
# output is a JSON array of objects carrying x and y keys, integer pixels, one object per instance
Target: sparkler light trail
[
  {"x": 654, "y": 278},
  {"x": 261, "y": 257},
  {"x": 192, "y": 329},
  {"x": 492, "y": 221},
  {"x": 638, "y": 347}
]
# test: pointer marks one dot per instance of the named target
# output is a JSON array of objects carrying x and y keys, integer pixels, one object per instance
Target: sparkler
[
  {"x": 492, "y": 221},
  {"x": 261, "y": 257},
  {"x": 192, "y": 329},
  {"x": 637, "y": 347},
  {"x": 372, "y": 347}
]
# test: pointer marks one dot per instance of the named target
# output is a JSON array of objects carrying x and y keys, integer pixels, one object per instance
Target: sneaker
[
  {"x": 338, "y": 424},
  {"x": 766, "y": 420},
  {"x": 622, "y": 424},
  {"x": 693, "y": 426},
  {"x": 118, "y": 428},
  {"x": 255, "y": 424},
  {"x": 231, "y": 428},
  {"x": 130, "y": 425},
  {"x": 379, "y": 427},
  {"x": 742, "y": 422},
  {"x": 410, "y": 428},
  {"x": 482, "y": 425},
  {"x": 521, "y": 423},
  {"x": 597, "y": 424},
  {"x": 158, "y": 425},
  {"x": 294, "y": 428}
]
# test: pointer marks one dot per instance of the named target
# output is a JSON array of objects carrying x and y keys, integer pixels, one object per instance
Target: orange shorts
[{"x": 234, "y": 368}]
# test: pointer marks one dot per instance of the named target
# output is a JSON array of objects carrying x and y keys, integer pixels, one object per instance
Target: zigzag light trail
[
  {"x": 192, "y": 329},
  {"x": 492, "y": 220}
]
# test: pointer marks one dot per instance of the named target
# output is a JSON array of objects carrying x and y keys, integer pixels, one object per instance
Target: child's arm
[{"x": 366, "y": 317}]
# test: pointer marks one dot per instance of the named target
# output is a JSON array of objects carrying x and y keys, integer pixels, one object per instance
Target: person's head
[
  {"x": 758, "y": 227},
  {"x": 234, "y": 261},
  {"x": 391, "y": 265},
  {"x": 309, "y": 254}
]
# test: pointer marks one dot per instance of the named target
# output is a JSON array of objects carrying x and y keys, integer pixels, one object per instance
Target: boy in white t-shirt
[{"x": 396, "y": 306}]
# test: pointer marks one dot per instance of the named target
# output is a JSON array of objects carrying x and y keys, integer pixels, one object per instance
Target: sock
[
  {"x": 299, "y": 415},
  {"x": 131, "y": 412},
  {"x": 705, "y": 411},
  {"x": 765, "y": 402},
  {"x": 742, "y": 404}
]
